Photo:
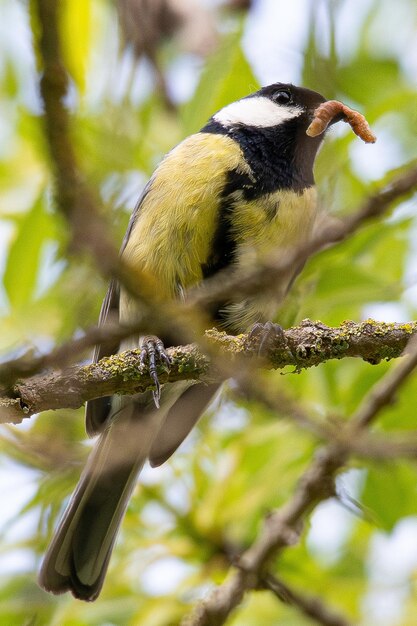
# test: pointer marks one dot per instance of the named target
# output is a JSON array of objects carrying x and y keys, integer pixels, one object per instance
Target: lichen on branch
[{"x": 306, "y": 345}]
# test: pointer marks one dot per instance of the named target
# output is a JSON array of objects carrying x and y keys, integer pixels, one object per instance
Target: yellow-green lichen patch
[
  {"x": 232, "y": 343},
  {"x": 125, "y": 366},
  {"x": 189, "y": 360}
]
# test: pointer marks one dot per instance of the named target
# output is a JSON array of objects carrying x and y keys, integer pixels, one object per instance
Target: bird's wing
[{"x": 98, "y": 409}]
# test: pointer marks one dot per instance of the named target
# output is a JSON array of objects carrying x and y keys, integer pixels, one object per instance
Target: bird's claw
[
  {"x": 152, "y": 354},
  {"x": 267, "y": 336}
]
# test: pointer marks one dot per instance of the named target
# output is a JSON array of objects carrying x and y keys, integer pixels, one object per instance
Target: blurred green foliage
[{"x": 242, "y": 460}]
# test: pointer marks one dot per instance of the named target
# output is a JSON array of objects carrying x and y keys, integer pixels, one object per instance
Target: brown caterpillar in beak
[{"x": 327, "y": 111}]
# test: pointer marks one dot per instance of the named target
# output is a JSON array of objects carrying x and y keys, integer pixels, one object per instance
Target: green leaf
[
  {"x": 22, "y": 267},
  {"x": 369, "y": 79},
  {"x": 226, "y": 77},
  {"x": 76, "y": 38},
  {"x": 390, "y": 493}
]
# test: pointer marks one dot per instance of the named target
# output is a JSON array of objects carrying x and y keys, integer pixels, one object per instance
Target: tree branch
[
  {"x": 75, "y": 200},
  {"x": 310, "y": 606},
  {"x": 303, "y": 346}
]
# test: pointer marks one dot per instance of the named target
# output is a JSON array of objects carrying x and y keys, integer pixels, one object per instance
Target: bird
[{"x": 226, "y": 197}]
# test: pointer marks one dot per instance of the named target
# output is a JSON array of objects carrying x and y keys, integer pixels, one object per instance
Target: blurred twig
[
  {"x": 29, "y": 364},
  {"x": 77, "y": 202},
  {"x": 73, "y": 197},
  {"x": 308, "y": 605},
  {"x": 147, "y": 24},
  {"x": 382, "y": 448},
  {"x": 283, "y": 527},
  {"x": 383, "y": 392}
]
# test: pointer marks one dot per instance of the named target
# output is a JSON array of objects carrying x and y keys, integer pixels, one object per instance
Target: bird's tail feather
[
  {"x": 180, "y": 420},
  {"x": 78, "y": 556}
]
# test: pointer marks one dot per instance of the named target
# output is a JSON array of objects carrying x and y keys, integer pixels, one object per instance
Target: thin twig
[
  {"x": 381, "y": 448},
  {"x": 311, "y": 606},
  {"x": 75, "y": 200},
  {"x": 383, "y": 392}
]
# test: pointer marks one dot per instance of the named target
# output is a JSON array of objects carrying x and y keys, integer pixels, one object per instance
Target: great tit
[{"x": 226, "y": 197}]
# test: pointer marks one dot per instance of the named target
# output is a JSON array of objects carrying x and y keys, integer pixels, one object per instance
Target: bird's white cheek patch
[{"x": 258, "y": 111}]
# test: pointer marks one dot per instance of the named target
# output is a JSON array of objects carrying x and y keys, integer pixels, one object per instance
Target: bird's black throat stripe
[
  {"x": 278, "y": 155},
  {"x": 270, "y": 153},
  {"x": 223, "y": 248}
]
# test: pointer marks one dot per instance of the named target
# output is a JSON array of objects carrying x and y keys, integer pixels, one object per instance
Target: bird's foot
[
  {"x": 153, "y": 354},
  {"x": 266, "y": 336}
]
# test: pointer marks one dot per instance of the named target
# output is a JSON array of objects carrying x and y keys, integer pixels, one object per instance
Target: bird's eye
[{"x": 282, "y": 97}]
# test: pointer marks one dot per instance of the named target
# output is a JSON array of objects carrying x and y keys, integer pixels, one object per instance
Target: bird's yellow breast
[
  {"x": 276, "y": 221},
  {"x": 172, "y": 235},
  {"x": 272, "y": 226},
  {"x": 176, "y": 223}
]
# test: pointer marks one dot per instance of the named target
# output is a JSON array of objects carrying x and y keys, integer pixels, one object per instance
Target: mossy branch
[{"x": 303, "y": 346}]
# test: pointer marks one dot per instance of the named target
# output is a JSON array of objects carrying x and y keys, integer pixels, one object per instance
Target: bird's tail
[{"x": 79, "y": 554}]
